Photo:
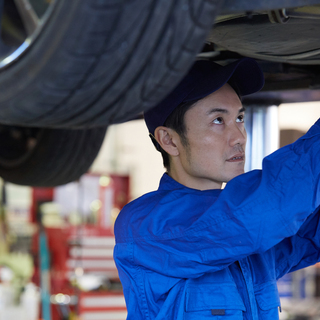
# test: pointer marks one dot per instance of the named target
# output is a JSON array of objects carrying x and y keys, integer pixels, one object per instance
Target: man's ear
[{"x": 166, "y": 138}]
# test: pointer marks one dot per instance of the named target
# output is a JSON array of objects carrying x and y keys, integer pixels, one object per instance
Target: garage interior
[{"x": 56, "y": 243}]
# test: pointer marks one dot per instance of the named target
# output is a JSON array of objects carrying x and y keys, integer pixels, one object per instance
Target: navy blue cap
[{"x": 204, "y": 78}]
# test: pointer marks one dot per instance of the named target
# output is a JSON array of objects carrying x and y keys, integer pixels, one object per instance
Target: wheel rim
[{"x": 21, "y": 23}]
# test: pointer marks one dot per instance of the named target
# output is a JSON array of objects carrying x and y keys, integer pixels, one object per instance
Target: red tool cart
[{"x": 84, "y": 282}]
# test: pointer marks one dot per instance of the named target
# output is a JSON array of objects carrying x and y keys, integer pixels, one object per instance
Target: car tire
[
  {"x": 47, "y": 157},
  {"x": 97, "y": 62}
]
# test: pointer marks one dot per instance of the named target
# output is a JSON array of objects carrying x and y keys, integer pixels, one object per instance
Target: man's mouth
[{"x": 236, "y": 158}]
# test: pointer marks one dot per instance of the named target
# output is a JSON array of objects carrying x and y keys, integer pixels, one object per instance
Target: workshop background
[{"x": 56, "y": 244}]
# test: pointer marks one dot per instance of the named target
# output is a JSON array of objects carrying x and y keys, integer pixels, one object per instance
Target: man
[{"x": 193, "y": 251}]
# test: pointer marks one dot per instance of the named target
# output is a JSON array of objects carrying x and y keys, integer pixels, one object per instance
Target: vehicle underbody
[{"x": 285, "y": 41}]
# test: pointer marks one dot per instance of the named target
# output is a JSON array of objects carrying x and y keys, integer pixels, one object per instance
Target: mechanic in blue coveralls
[{"x": 193, "y": 251}]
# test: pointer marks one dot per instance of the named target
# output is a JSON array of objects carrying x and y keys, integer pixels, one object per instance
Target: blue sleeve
[
  {"x": 255, "y": 211},
  {"x": 301, "y": 250}
]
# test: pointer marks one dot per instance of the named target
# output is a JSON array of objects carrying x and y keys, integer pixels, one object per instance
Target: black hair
[{"x": 176, "y": 122}]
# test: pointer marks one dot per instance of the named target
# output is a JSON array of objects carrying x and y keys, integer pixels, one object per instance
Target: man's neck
[{"x": 192, "y": 182}]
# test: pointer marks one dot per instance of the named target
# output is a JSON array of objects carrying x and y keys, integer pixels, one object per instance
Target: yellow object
[{"x": 20, "y": 263}]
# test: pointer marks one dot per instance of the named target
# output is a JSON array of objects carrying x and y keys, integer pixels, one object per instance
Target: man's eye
[
  {"x": 219, "y": 120},
  {"x": 240, "y": 118}
]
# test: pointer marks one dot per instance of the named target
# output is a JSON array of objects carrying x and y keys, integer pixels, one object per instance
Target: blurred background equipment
[{"x": 63, "y": 268}]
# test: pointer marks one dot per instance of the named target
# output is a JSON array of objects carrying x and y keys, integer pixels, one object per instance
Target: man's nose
[{"x": 238, "y": 135}]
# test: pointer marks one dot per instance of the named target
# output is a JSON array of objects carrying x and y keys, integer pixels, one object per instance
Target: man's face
[{"x": 216, "y": 139}]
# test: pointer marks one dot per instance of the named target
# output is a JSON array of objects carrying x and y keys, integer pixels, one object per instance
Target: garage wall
[
  {"x": 128, "y": 149},
  {"x": 298, "y": 116}
]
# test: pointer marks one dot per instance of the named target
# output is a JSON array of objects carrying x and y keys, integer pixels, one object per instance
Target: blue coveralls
[{"x": 187, "y": 254}]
